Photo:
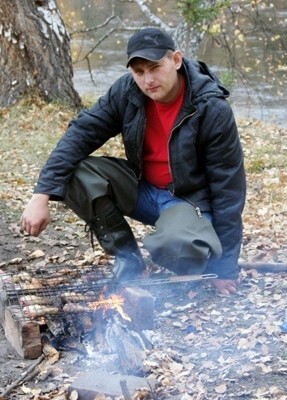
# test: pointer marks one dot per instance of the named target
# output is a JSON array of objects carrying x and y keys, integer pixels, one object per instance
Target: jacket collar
[{"x": 201, "y": 84}]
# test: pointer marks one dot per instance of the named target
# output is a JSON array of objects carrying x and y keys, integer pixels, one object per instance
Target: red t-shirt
[{"x": 160, "y": 121}]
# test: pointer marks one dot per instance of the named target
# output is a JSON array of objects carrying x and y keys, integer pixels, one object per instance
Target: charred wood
[{"x": 128, "y": 345}]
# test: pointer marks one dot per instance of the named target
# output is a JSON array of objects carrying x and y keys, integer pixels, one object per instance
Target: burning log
[
  {"x": 128, "y": 345},
  {"x": 139, "y": 305}
]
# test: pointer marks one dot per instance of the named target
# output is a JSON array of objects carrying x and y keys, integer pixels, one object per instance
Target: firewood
[
  {"x": 127, "y": 344},
  {"x": 264, "y": 266},
  {"x": 22, "y": 333}
]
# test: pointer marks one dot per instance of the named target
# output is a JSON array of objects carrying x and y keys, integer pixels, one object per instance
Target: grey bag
[{"x": 183, "y": 236}]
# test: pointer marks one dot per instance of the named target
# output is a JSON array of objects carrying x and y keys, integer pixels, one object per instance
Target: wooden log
[
  {"x": 139, "y": 306},
  {"x": 128, "y": 344},
  {"x": 264, "y": 266},
  {"x": 23, "y": 334}
]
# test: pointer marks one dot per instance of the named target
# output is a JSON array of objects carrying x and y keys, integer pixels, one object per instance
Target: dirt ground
[{"x": 205, "y": 346}]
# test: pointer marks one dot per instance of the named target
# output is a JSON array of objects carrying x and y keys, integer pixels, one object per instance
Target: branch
[
  {"x": 94, "y": 28},
  {"x": 152, "y": 17},
  {"x": 25, "y": 376},
  {"x": 125, "y": 390},
  {"x": 101, "y": 39}
]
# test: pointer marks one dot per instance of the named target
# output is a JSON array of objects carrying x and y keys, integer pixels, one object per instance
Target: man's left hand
[{"x": 225, "y": 286}]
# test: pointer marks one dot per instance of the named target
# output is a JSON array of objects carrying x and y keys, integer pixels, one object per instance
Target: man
[{"x": 183, "y": 172}]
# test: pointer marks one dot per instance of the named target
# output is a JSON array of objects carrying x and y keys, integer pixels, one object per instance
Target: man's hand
[
  {"x": 225, "y": 286},
  {"x": 36, "y": 215}
]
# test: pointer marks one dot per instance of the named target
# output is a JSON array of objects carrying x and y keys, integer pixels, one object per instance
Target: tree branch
[
  {"x": 152, "y": 17},
  {"x": 93, "y": 28}
]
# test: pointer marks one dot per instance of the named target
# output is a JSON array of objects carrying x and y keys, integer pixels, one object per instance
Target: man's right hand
[
  {"x": 225, "y": 286},
  {"x": 36, "y": 215}
]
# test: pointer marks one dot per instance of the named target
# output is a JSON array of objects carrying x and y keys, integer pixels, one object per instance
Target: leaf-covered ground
[{"x": 205, "y": 346}]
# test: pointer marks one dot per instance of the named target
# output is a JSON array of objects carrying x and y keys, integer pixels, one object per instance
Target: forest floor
[{"x": 205, "y": 346}]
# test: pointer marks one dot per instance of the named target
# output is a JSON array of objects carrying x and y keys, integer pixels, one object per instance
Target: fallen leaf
[
  {"x": 36, "y": 254},
  {"x": 221, "y": 389}
]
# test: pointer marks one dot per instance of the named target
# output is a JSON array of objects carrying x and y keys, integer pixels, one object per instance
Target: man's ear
[{"x": 177, "y": 58}]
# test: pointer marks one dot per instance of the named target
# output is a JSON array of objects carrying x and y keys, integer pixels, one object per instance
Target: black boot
[{"x": 115, "y": 236}]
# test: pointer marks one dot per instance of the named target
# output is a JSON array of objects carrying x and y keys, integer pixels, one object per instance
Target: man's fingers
[
  {"x": 33, "y": 230},
  {"x": 232, "y": 289},
  {"x": 225, "y": 286}
]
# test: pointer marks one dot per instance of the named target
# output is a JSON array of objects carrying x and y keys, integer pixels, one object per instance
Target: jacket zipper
[
  {"x": 197, "y": 209},
  {"x": 175, "y": 127}
]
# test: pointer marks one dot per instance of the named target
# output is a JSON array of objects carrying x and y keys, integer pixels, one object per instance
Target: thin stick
[
  {"x": 125, "y": 390},
  {"x": 264, "y": 266},
  {"x": 23, "y": 377}
]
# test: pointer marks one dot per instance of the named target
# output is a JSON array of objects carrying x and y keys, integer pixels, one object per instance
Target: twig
[
  {"x": 125, "y": 390},
  {"x": 23, "y": 377},
  {"x": 153, "y": 393}
]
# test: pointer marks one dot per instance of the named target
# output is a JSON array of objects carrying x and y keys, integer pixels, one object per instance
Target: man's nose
[{"x": 148, "y": 78}]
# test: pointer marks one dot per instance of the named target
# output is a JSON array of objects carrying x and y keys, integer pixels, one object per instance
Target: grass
[{"x": 30, "y": 132}]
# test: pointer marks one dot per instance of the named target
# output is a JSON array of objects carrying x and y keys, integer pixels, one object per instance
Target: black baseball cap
[{"x": 150, "y": 44}]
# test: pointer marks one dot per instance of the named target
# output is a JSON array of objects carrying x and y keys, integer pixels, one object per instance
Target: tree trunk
[{"x": 35, "y": 53}]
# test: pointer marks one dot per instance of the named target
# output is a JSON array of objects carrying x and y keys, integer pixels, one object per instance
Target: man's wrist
[{"x": 43, "y": 197}]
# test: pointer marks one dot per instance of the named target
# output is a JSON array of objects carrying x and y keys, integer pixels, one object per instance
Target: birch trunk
[{"x": 34, "y": 53}]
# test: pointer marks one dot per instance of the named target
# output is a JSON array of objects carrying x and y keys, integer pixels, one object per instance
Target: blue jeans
[{"x": 152, "y": 201}]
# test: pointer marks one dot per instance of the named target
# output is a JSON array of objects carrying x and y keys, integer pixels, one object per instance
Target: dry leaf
[
  {"x": 221, "y": 389},
  {"x": 36, "y": 254}
]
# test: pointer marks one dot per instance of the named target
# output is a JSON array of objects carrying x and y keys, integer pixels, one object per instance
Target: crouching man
[{"x": 183, "y": 172}]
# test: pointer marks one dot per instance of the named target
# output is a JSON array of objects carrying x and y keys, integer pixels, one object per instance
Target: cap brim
[{"x": 148, "y": 54}]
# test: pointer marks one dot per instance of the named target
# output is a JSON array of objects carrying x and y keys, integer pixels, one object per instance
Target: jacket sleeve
[
  {"x": 227, "y": 183},
  {"x": 85, "y": 134}
]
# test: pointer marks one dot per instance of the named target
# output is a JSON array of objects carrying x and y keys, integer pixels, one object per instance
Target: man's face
[{"x": 160, "y": 80}]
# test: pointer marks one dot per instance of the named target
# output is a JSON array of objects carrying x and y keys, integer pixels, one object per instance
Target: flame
[{"x": 115, "y": 301}]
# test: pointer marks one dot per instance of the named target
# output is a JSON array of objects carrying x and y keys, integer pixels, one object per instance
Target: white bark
[{"x": 35, "y": 52}]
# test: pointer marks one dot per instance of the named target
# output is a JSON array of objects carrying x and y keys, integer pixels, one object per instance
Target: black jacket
[{"x": 205, "y": 154}]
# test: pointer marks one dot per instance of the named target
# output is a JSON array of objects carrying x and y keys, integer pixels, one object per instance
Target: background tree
[
  {"x": 35, "y": 52},
  {"x": 35, "y": 45},
  {"x": 224, "y": 24}
]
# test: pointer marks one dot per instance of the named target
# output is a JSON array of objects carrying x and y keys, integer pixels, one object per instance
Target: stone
[{"x": 94, "y": 382}]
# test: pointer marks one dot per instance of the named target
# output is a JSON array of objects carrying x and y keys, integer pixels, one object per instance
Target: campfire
[{"x": 80, "y": 310}]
